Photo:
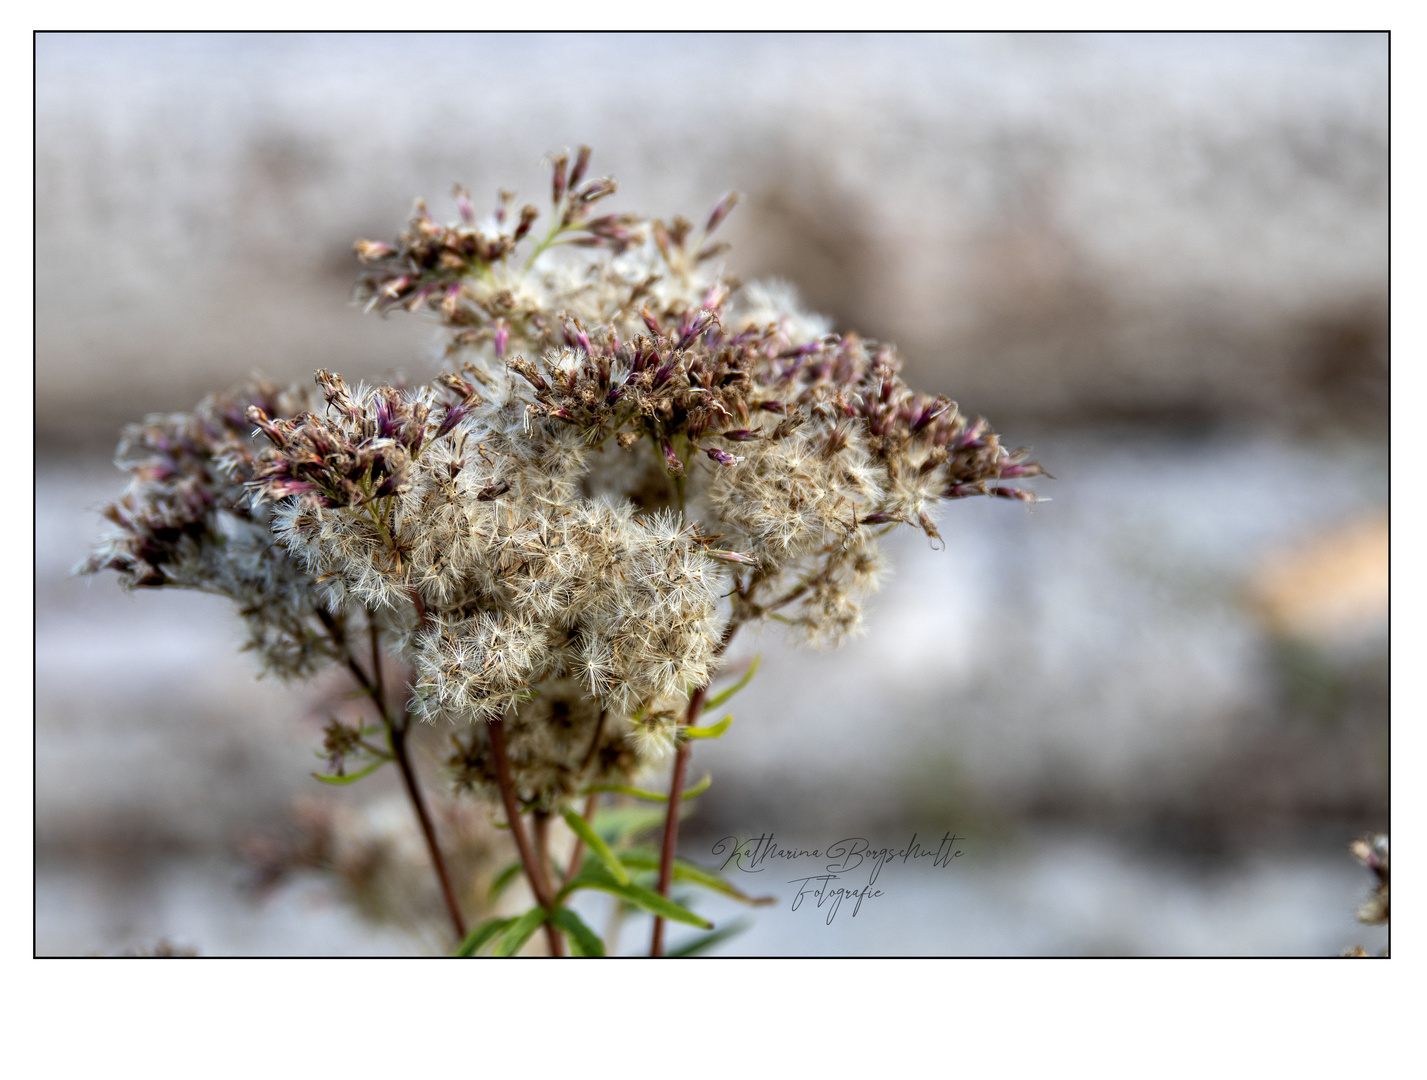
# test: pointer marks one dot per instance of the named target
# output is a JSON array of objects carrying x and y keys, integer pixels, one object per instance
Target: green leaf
[
  {"x": 697, "y": 789},
  {"x": 625, "y": 789},
  {"x": 712, "y": 732},
  {"x": 723, "y": 695},
  {"x": 645, "y": 859},
  {"x": 503, "y": 879},
  {"x": 583, "y": 940},
  {"x": 480, "y": 935},
  {"x": 651, "y": 796},
  {"x": 519, "y": 931},
  {"x": 616, "y": 823},
  {"x": 704, "y": 942},
  {"x": 637, "y": 895},
  {"x": 351, "y": 778},
  {"x": 601, "y": 850}
]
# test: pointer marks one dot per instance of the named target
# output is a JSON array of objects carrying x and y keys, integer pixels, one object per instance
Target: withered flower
[{"x": 630, "y": 456}]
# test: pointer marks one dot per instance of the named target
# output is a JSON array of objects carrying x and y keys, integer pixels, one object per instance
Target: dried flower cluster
[
  {"x": 187, "y": 521},
  {"x": 629, "y": 456},
  {"x": 1372, "y": 852}
]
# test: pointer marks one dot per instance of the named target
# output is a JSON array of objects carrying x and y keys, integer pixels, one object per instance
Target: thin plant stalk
[
  {"x": 541, "y": 831},
  {"x": 413, "y": 791},
  {"x": 396, "y": 740},
  {"x": 681, "y": 768},
  {"x": 671, "y": 822},
  {"x": 534, "y": 871}
]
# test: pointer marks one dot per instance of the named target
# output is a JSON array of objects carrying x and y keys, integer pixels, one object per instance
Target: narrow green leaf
[
  {"x": 480, "y": 935},
  {"x": 503, "y": 879},
  {"x": 723, "y": 695},
  {"x": 637, "y": 895},
  {"x": 697, "y": 789},
  {"x": 640, "y": 858},
  {"x": 697, "y": 875},
  {"x": 712, "y": 732},
  {"x": 519, "y": 932},
  {"x": 596, "y": 845},
  {"x": 583, "y": 940},
  {"x": 645, "y": 859},
  {"x": 351, "y": 778},
  {"x": 704, "y": 942},
  {"x": 617, "y": 823},
  {"x": 624, "y": 789},
  {"x": 651, "y": 796}
]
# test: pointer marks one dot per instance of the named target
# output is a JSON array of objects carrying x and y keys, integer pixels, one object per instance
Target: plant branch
[
  {"x": 676, "y": 792},
  {"x": 372, "y": 632},
  {"x": 541, "y": 831},
  {"x": 671, "y": 822},
  {"x": 594, "y": 746},
  {"x": 408, "y": 776},
  {"x": 534, "y": 872},
  {"x": 396, "y": 739}
]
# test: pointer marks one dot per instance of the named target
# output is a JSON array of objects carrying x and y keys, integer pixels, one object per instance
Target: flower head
[{"x": 629, "y": 456}]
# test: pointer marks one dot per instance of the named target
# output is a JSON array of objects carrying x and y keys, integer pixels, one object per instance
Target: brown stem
[
  {"x": 671, "y": 822},
  {"x": 423, "y": 617},
  {"x": 542, "y": 841},
  {"x": 577, "y": 857},
  {"x": 333, "y": 628},
  {"x": 594, "y": 743},
  {"x": 534, "y": 871},
  {"x": 376, "y": 656},
  {"x": 453, "y": 908},
  {"x": 396, "y": 739},
  {"x": 676, "y": 789},
  {"x": 786, "y": 599}
]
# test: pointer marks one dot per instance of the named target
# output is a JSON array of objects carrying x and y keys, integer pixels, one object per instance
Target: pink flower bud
[
  {"x": 720, "y": 211},
  {"x": 671, "y": 460}
]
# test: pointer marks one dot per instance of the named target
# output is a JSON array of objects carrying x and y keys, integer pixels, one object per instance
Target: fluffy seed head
[{"x": 629, "y": 456}]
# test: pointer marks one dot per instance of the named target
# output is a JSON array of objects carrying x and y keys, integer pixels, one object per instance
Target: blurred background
[{"x": 1155, "y": 707}]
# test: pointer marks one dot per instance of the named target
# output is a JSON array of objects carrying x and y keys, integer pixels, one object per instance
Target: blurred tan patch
[{"x": 1331, "y": 589}]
